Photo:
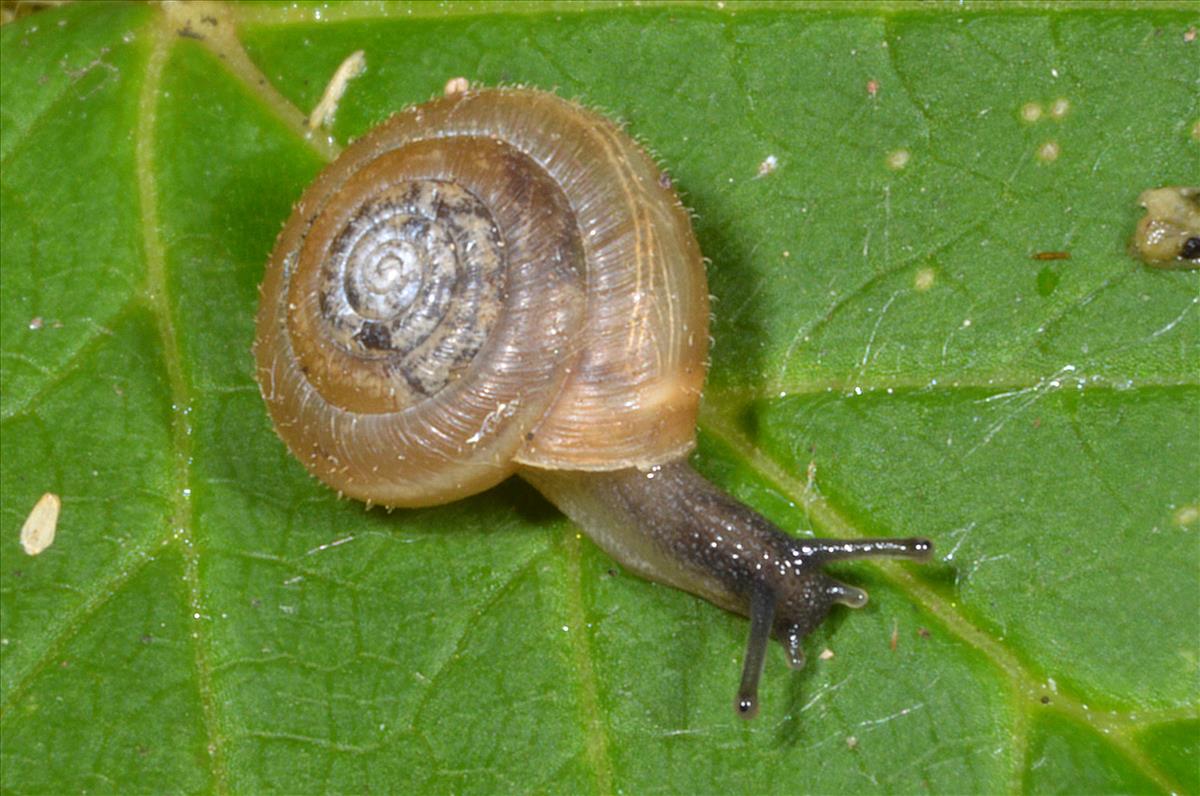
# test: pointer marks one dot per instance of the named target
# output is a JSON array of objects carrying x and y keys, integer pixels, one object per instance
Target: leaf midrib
[{"x": 162, "y": 303}]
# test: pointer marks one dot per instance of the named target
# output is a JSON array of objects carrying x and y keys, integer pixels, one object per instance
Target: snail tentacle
[{"x": 762, "y": 615}]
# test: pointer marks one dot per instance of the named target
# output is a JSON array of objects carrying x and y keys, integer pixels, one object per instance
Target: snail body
[{"x": 502, "y": 282}]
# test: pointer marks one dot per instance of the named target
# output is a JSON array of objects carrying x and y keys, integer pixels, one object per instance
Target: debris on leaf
[
  {"x": 352, "y": 67},
  {"x": 38, "y": 531},
  {"x": 1168, "y": 236},
  {"x": 456, "y": 85}
]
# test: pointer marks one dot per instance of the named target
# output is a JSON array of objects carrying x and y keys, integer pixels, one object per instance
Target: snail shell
[
  {"x": 488, "y": 280},
  {"x": 502, "y": 281}
]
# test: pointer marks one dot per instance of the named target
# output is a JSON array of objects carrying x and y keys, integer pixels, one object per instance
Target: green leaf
[{"x": 888, "y": 359}]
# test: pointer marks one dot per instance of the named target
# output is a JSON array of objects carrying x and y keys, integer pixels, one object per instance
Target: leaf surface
[{"x": 889, "y": 358}]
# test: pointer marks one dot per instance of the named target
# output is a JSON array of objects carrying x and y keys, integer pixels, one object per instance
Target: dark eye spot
[{"x": 1191, "y": 249}]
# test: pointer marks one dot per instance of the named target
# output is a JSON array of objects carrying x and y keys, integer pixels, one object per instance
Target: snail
[
  {"x": 1168, "y": 236},
  {"x": 502, "y": 281}
]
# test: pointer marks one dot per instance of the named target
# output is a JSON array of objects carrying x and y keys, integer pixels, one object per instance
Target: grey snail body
[{"x": 502, "y": 282}]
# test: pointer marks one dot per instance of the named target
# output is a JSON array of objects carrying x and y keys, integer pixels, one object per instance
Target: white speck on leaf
[
  {"x": 456, "y": 85},
  {"x": 1186, "y": 515},
  {"x": 897, "y": 715},
  {"x": 1049, "y": 152},
  {"x": 350, "y": 68},
  {"x": 37, "y": 533},
  {"x": 328, "y": 545},
  {"x": 924, "y": 279},
  {"x": 769, "y": 164}
]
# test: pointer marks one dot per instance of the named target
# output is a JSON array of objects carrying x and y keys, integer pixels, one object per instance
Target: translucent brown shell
[{"x": 585, "y": 340}]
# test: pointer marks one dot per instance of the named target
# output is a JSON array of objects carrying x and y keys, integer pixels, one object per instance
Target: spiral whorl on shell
[{"x": 491, "y": 279}]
